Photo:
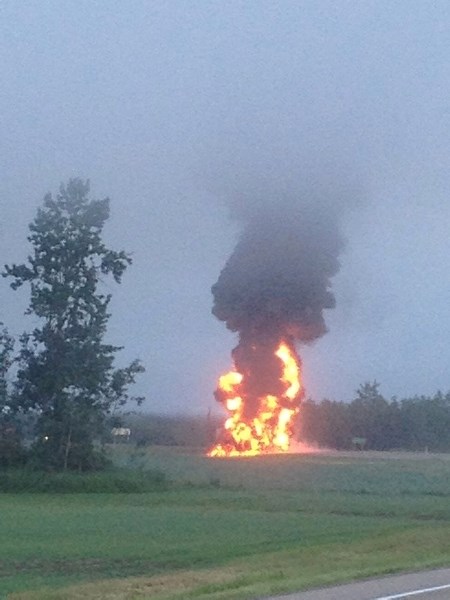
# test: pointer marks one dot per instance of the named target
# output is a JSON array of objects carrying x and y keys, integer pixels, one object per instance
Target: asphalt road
[{"x": 428, "y": 585}]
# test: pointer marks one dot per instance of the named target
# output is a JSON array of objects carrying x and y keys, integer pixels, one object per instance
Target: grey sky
[{"x": 169, "y": 107}]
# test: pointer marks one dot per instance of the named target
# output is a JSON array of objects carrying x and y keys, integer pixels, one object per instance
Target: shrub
[{"x": 112, "y": 481}]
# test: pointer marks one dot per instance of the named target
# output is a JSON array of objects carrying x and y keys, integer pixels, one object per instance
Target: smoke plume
[
  {"x": 275, "y": 287},
  {"x": 277, "y": 281}
]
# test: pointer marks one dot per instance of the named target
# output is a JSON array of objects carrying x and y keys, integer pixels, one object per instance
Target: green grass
[
  {"x": 113, "y": 480},
  {"x": 228, "y": 529}
]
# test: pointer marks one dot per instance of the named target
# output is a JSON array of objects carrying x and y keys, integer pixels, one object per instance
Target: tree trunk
[{"x": 66, "y": 453}]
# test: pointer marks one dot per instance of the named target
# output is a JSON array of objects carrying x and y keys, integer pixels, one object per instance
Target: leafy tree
[
  {"x": 371, "y": 422},
  {"x": 65, "y": 369},
  {"x": 426, "y": 422},
  {"x": 6, "y": 349},
  {"x": 309, "y": 423},
  {"x": 369, "y": 412},
  {"x": 11, "y": 451}
]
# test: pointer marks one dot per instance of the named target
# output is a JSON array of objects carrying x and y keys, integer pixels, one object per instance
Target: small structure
[{"x": 121, "y": 433}]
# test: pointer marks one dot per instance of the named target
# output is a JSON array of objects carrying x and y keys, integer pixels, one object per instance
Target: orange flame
[{"x": 270, "y": 430}]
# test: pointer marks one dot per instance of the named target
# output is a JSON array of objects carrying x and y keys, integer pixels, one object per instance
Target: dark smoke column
[
  {"x": 274, "y": 289},
  {"x": 277, "y": 281}
]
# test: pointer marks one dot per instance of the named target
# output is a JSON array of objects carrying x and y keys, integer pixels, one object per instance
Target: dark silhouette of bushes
[{"x": 416, "y": 424}]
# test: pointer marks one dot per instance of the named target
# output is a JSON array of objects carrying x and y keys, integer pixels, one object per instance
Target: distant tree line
[
  {"x": 370, "y": 422},
  {"x": 59, "y": 387},
  {"x": 196, "y": 431}
]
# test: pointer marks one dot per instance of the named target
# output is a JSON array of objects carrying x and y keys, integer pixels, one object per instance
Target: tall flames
[{"x": 263, "y": 423}]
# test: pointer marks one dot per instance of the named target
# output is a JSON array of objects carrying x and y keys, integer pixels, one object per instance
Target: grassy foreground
[{"x": 229, "y": 529}]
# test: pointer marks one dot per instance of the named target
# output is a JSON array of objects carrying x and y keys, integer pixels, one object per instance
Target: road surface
[{"x": 428, "y": 585}]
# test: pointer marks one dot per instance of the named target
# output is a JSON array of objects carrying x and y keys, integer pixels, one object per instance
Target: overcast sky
[{"x": 169, "y": 106}]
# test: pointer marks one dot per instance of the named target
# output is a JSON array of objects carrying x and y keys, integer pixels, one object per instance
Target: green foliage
[
  {"x": 418, "y": 423},
  {"x": 66, "y": 372},
  {"x": 108, "y": 481},
  {"x": 11, "y": 451},
  {"x": 6, "y": 349},
  {"x": 158, "y": 430}
]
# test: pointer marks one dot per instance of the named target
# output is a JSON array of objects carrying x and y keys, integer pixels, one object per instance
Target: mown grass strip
[{"x": 275, "y": 573}]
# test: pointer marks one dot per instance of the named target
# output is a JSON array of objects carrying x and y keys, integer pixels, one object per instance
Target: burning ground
[{"x": 272, "y": 292}]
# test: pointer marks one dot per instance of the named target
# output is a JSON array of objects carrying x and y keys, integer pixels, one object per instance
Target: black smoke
[
  {"x": 276, "y": 285},
  {"x": 277, "y": 281}
]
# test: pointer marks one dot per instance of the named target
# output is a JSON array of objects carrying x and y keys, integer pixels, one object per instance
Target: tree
[
  {"x": 426, "y": 422},
  {"x": 65, "y": 369},
  {"x": 11, "y": 452},
  {"x": 6, "y": 348},
  {"x": 370, "y": 417}
]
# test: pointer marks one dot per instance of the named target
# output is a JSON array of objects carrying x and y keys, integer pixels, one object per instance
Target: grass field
[{"x": 228, "y": 529}]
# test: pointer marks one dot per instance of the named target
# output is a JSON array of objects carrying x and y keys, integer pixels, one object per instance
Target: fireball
[{"x": 260, "y": 423}]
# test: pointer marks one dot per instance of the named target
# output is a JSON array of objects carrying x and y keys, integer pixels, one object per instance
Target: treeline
[
  {"x": 171, "y": 430},
  {"x": 370, "y": 422}
]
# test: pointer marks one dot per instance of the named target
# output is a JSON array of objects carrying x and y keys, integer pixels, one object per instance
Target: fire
[{"x": 268, "y": 427}]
